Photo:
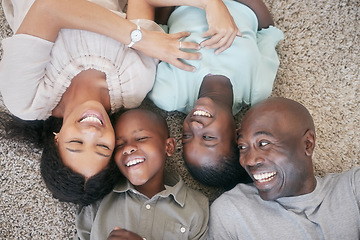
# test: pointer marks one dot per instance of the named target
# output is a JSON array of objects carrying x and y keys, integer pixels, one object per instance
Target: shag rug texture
[{"x": 320, "y": 68}]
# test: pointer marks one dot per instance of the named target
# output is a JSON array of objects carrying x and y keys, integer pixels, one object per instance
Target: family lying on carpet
[{"x": 79, "y": 62}]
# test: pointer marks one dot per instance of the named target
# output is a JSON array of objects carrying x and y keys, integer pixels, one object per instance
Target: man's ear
[
  {"x": 170, "y": 146},
  {"x": 309, "y": 139}
]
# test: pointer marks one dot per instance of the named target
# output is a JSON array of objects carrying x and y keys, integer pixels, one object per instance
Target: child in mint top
[{"x": 222, "y": 84}]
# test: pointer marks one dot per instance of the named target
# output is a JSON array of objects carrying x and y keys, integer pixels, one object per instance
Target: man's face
[
  {"x": 208, "y": 132},
  {"x": 271, "y": 151}
]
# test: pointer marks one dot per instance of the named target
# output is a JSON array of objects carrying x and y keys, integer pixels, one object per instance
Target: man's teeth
[
  {"x": 91, "y": 118},
  {"x": 134, "y": 162},
  {"x": 201, "y": 113},
  {"x": 264, "y": 177}
]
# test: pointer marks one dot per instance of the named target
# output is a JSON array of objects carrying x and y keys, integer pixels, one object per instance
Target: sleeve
[
  {"x": 220, "y": 221},
  {"x": 22, "y": 69},
  {"x": 15, "y": 11},
  {"x": 84, "y": 221},
  {"x": 356, "y": 184},
  {"x": 267, "y": 39},
  {"x": 199, "y": 227}
]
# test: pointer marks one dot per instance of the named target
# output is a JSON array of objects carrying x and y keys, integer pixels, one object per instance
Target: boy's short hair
[{"x": 226, "y": 173}]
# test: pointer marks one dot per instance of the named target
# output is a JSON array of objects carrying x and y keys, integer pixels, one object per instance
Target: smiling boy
[
  {"x": 286, "y": 201},
  {"x": 151, "y": 203}
]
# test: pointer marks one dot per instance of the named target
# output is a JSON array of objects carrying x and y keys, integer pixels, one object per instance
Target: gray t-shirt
[{"x": 331, "y": 211}]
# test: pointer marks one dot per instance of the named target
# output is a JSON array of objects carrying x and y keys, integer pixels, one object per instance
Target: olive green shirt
[{"x": 177, "y": 212}]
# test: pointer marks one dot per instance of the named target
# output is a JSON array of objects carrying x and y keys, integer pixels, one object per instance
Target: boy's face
[
  {"x": 141, "y": 147},
  {"x": 208, "y": 132}
]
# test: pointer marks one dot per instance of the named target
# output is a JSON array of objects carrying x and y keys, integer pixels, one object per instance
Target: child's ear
[
  {"x": 309, "y": 139},
  {"x": 170, "y": 146}
]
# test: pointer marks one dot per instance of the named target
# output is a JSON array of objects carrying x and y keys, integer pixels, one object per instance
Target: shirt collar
[{"x": 174, "y": 186}]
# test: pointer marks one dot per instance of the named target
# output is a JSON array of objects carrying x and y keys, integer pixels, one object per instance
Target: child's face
[
  {"x": 208, "y": 132},
  {"x": 141, "y": 147}
]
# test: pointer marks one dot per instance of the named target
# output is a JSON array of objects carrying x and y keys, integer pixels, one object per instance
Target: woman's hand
[
  {"x": 166, "y": 47},
  {"x": 122, "y": 234},
  {"x": 222, "y": 28}
]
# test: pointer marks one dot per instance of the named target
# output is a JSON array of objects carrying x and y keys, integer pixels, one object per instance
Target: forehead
[
  {"x": 270, "y": 122},
  {"x": 135, "y": 120}
]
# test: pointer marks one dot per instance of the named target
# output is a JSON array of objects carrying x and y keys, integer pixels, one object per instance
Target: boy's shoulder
[{"x": 182, "y": 193}]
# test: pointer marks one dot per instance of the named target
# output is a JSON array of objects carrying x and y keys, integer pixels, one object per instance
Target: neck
[
  {"x": 218, "y": 88},
  {"x": 86, "y": 86},
  {"x": 152, "y": 187}
]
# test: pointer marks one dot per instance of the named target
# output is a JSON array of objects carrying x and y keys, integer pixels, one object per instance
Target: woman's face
[{"x": 86, "y": 139}]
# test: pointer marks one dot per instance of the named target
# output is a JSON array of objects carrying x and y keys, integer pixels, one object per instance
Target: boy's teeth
[
  {"x": 201, "y": 113},
  {"x": 91, "y": 118},
  {"x": 264, "y": 177},
  {"x": 134, "y": 162}
]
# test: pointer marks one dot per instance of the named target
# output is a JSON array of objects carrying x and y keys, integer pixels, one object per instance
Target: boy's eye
[
  {"x": 118, "y": 146},
  {"x": 76, "y": 141},
  {"x": 141, "y": 139}
]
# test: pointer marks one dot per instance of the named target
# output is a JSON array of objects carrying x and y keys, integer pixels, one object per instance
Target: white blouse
[{"x": 35, "y": 73}]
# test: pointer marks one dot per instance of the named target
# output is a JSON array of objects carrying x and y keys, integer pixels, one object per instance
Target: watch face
[{"x": 136, "y": 35}]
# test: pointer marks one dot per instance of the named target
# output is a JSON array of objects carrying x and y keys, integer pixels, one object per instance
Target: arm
[
  {"x": 262, "y": 13},
  {"x": 122, "y": 234},
  {"x": 47, "y": 17},
  {"x": 222, "y": 28}
]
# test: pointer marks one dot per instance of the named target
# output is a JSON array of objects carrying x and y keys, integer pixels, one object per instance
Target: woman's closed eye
[
  {"x": 75, "y": 141},
  {"x": 103, "y": 146}
]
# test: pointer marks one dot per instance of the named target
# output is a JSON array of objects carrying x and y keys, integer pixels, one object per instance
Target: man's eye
[
  {"x": 263, "y": 143},
  {"x": 241, "y": 147},
  {"x": 208, "y": 138}
]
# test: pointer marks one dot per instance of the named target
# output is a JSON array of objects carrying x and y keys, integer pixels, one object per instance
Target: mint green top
[{"x": 250, "y": 63}]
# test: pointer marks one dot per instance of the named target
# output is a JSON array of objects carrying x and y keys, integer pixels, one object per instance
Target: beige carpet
[{"x": 320, "y": 62}]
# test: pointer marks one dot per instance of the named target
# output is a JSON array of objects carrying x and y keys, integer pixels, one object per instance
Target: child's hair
[
  {"x": 64, "y": 184},
  {"x": 226, "y": 173}
]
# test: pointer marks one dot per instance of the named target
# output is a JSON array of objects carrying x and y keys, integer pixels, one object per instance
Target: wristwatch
[{"x": 135, "y": 36}]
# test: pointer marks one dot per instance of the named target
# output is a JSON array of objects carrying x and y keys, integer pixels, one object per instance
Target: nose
[
  {"x": 129, "y": 149},
  {"x": 252, "y": 158},
  {"x": 91, "y": 130},
  {"x": 194, "y": 125}
]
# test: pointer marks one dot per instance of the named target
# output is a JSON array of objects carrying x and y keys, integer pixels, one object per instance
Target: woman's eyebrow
[{"x": 73, "y": 150}]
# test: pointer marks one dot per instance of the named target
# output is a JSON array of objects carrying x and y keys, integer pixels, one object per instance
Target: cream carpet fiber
[{"x": 320, "y": 62}]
